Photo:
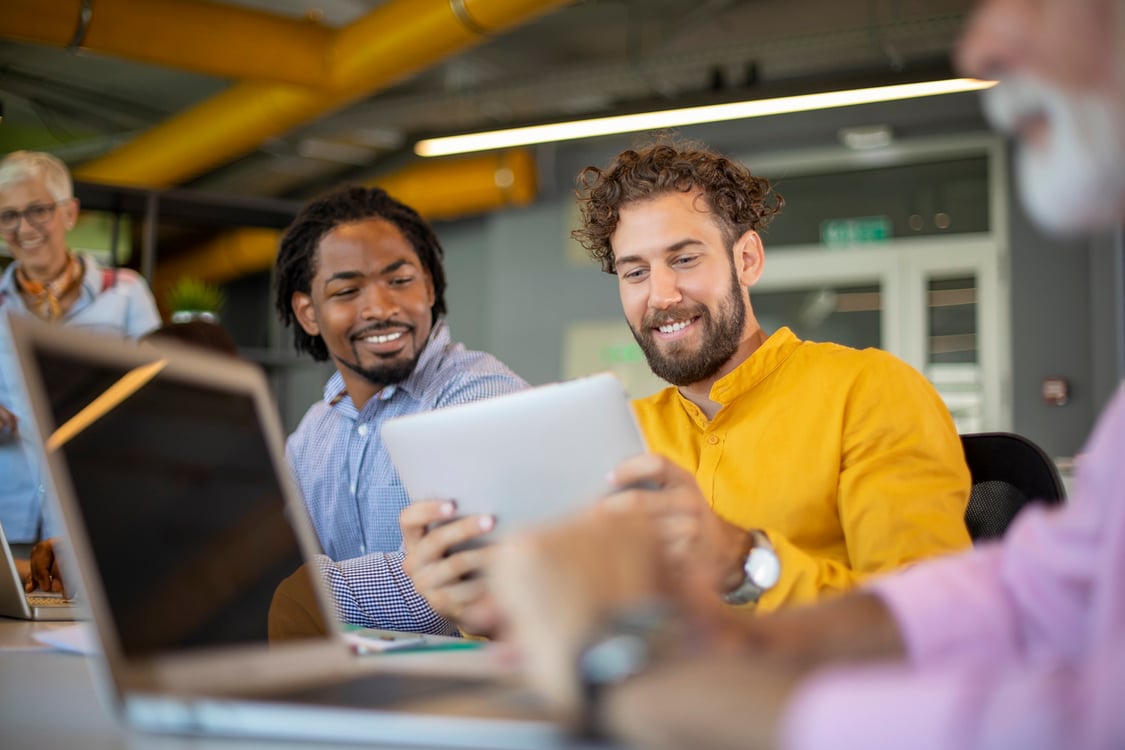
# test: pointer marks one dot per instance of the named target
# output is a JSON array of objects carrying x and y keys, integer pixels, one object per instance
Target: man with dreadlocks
[{"x": 360, "y": 281}]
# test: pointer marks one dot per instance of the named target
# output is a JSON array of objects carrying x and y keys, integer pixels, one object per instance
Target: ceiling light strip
[{"x": 673, "y": 118}]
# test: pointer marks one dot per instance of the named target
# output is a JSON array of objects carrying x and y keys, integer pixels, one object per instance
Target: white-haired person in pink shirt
[{"x": 1016, "y": 644}]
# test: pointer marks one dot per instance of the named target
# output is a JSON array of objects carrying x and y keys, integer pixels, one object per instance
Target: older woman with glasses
[{"x": 49, "y": 281}]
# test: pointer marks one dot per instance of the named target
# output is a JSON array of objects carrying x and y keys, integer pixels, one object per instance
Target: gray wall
[
  {"x": 513, "y": 290},
  {"x": 1051, "y": 335}
]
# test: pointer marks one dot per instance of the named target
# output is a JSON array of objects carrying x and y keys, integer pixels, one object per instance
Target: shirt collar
[
  {"x": 757, "y": 367},
  {"x": 336, "y": 394},
  {"x": 92, "y": 280}
]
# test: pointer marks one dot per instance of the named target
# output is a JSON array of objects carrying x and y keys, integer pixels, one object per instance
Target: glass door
[{"x": 934, "y": 302}]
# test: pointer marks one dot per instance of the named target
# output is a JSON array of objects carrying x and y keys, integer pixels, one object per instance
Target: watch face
[
  {"x": 615, "y": 658},
  {"x": 763, "y": 567}
]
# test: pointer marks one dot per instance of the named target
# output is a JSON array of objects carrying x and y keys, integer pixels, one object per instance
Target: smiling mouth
[
  {"x": 382, "y": 338},
  {"x": 676, "y": 326},
  {"x": 32, "y": 242}
]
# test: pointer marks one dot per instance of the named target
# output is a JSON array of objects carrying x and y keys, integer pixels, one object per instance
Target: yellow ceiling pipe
[
  {"x": 202, "y": 37},
  {"x": 394, "y": 40},
  {"x": 226, "y": 256},
  {"x": 453, "y": 188},
  {"x": 439, "y": 189}
]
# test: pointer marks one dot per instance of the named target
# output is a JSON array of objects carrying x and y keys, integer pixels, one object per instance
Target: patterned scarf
[{"x": 44, "y": 298}]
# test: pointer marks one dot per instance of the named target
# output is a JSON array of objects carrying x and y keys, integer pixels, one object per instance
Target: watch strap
[{"x": 632, "y": 638}]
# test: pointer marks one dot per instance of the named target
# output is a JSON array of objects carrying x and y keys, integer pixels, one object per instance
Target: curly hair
[
  {"x": 297, "y": 257},
  {"x": 738, "y": 200}
]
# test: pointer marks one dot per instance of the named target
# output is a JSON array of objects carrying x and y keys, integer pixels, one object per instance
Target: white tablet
[{"x": 528, "y": 458}]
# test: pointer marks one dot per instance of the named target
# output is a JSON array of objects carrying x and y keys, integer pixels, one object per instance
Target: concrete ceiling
[{"x": 587, "y": 57}]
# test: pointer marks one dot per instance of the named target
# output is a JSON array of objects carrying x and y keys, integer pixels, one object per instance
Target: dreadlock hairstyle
[
  {"x": 297, "y": 257},
  {"x": 739, "y": 201}
]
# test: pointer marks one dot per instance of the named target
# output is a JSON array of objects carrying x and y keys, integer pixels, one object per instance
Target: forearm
[
  {"x": 733, "y": 693},
  {"x": 853, "y": 628}
]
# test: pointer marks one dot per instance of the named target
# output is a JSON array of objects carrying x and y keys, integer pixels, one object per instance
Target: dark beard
[
  {"x": 395, "y": 371},
  {"x": 381, "y": 375},
  {"x": 722, "y": 336}
]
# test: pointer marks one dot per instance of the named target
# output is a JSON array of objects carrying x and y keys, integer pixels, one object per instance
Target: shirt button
[
  {"x": 712, "y": 439},
  {"x": 362, "y": 430}
]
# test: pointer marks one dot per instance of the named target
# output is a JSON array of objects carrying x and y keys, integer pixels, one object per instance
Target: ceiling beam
[
  {"x": 395, "y": 40},
  {"x": 201, "y": 37}
]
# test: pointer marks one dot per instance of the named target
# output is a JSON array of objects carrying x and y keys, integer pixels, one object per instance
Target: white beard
[{"x": 1075, "y": 179}]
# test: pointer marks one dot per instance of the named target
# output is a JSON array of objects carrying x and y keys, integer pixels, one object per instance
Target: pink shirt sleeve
[
  {"x": 1027, "y": 597},
  {"x": 1031, "y": 706},
  {"x": 1016, "y": 644}
]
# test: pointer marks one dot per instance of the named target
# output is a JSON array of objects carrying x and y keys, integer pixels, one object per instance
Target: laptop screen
[{"x": 184, "y": 512}]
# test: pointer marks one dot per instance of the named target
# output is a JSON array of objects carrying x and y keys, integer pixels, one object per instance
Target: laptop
[
  {"x": 528, "y": 458},
  {"x": 38, "y": 605},
  {"x": 184, "y": 524}
]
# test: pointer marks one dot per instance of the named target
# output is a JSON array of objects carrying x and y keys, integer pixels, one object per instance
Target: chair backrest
[{"x": 1009, "y": 471}]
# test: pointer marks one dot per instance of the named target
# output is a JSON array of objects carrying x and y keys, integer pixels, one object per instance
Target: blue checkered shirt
[{"x": 353, "y": 493}]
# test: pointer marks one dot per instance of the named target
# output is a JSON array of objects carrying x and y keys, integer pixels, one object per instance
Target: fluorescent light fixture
[{"x": 673, "y": 118}]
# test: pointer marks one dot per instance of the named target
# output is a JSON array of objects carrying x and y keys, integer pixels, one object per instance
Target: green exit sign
[{"x": 857, "y": 231}]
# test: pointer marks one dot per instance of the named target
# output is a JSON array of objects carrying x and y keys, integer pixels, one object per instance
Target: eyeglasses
[{"x": 37, "y": 214}]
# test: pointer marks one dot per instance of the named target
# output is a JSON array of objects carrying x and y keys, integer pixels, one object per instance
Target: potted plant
[{"x": 194, "y": 299}]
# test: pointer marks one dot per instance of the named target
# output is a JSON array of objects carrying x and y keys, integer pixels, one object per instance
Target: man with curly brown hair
[
  {"x": 789, "y": 469},
  {"x": 794, "y": 468}
]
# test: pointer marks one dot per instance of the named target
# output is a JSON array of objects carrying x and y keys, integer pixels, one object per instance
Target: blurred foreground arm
[
  {"x": 830, "y": 675},
  {"x": 723, "y": 685}
]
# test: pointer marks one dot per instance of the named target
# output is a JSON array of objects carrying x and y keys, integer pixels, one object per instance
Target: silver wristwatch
[{"x": 761, "y": 571}]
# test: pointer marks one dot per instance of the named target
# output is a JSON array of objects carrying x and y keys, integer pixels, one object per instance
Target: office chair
[{"x": 1009, "y": 472}]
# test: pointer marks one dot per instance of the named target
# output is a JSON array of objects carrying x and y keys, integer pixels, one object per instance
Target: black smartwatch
[{"x": 632, "y": 639}]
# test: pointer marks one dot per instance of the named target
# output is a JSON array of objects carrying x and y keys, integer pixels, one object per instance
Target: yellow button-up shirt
[{"x": 848, "y": 460}]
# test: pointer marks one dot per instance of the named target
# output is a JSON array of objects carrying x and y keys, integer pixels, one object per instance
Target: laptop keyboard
[{"x": 48, "y": 599}]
